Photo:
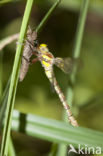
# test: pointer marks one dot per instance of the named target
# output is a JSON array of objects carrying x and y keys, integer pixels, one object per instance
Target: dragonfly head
[{"x": 43, "y": 48}]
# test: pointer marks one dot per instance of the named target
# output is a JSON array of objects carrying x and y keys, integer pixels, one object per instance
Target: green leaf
[{"x": 56, "y": 131}]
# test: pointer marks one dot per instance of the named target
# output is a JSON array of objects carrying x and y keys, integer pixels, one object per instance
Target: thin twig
[{"x": 8, "y": 40}]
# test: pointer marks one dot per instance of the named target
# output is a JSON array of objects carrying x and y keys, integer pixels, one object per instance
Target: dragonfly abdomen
[
  {"x": 49, "y": 75},
  {"x": 65, "y": 104}
]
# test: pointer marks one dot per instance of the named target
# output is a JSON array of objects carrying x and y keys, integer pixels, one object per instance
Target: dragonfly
[
  {"x": 47, "y": 60},
  {"x": 65, "y": 64}
]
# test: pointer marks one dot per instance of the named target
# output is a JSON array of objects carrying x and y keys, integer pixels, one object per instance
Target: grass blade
[
  {"x": 79, "y": 34},
  {"x": 76, "y": 53},
  {"x": 78, "y": 41},
  {"x": 11, "y": 150},
  {"x": 46, "y": 17},
  {"x": 3, "y": 103},
  {"x": 56, "y": 131},
  {"x": 14, "y": 80}
]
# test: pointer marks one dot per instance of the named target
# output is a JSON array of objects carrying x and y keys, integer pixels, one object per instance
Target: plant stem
[
  {"x": 76, "y": 54},
  {"x": 8, "y": 40},
  {"x": 46, "y": 17},
  {"x": 62, "y": 150},
  {"x": 2, "y": 110},
  {"x": 11, "y": 150},
  {"x": 79, "y": 34},
  {"x": 3, "y": 103},
  {"x": 5, "y": 1},
  {"x": 77, "y": 44},
  {"x": 14, "y": 81}
]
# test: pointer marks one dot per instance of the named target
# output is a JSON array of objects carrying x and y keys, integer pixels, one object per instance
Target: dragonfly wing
[{"x": 65, "y": 64}]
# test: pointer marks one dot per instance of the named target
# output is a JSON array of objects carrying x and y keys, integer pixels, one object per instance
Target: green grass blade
[
  {"x": 76, "y": 54},
  {"x": 77, "y": 45},
  {"x": 53, "y": 150},
  {"x": 2, "y": 109},
  {"x": 56, "y": 131},
  {"x": 78, "y": 40},
  {"x": 46, "y": 17},
  {"x": 80, "y": 28},
  {"x": 3, "y": 103},
  {"x": 79, "y": 34},
  {"x": 14, "y": 80},
  {"x": 4, "y": 1},
  {"x": 62, "y": 150},
  {"x": 11, "y": 150}
]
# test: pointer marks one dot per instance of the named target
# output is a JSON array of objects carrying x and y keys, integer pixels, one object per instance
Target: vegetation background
[{"x": 34, "y": 94}]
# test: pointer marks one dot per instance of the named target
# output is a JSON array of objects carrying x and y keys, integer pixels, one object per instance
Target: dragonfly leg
[
  {"x": 34, "y": 60},
  {"x": 35, "y": 53}
]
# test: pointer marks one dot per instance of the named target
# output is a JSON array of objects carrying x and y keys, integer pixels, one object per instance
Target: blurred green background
[{"x": 34, "y": 94}]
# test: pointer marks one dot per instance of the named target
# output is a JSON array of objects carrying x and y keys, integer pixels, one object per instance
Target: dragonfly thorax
[{"x": 45, "y": 56}]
